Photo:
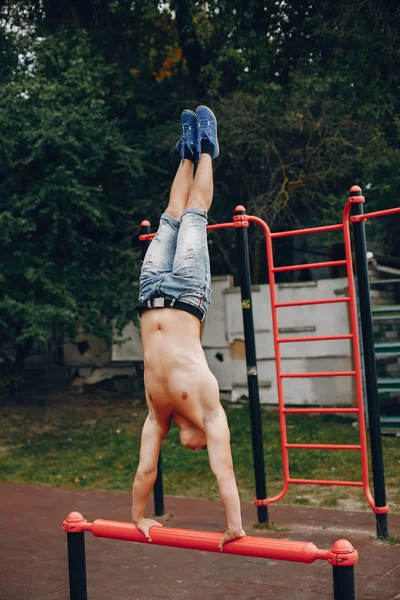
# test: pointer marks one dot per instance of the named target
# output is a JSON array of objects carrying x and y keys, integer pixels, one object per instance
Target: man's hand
[
  {"x": 144, "y": 525},
  {"x": 229, "y": 535}
]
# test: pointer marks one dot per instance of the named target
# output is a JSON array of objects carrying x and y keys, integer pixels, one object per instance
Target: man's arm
[
  {"x": 220, "y": 456},
  {"x": 152, "y": 436}
]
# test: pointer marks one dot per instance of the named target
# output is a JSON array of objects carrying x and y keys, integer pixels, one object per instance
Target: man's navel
[{"x": 184, "y": 396}]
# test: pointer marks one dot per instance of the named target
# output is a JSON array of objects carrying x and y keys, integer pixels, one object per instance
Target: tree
[{"x": 68, "y": 179}]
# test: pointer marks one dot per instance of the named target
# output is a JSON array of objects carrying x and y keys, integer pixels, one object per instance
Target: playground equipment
[
  {"x": 241, "y": 223},
  {"x": 341, "y": 556}
]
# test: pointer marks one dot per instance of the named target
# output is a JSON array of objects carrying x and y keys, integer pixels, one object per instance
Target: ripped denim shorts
[{"x": 177, "y": 263}]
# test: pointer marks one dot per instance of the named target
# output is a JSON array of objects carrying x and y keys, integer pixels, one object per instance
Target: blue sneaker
[
  {"x": 207, "y": 129},
  {"x": 189, "y": 134}
]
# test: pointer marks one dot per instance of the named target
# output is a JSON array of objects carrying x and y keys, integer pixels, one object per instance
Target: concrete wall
[{"x": 223, "y": 342}]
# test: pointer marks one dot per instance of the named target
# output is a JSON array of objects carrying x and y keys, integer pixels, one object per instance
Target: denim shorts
[{"x": 177, "y": 263}]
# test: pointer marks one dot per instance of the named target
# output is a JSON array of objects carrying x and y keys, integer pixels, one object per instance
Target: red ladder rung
[
  {"x": 320, "y": 374},
  {"x": 323, "y": 446},
  {"x": 299, "y": 411},
  {"x": 315, "y": 338},
  {"x": 326, "y": 482},
  {"x": 310, "y": 302},
  {"x": 318, "y": 265}
]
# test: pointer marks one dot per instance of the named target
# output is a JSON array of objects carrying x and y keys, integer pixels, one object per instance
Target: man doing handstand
[{"x": 174, "y": 295}]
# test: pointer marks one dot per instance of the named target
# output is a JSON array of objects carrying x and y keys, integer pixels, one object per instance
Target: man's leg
[
  {"x": 202, "y": 189},
  {"x": 180, "y": 189},
  {"x": 161, "y": 252},
  {"x": 190, "y": 280}
]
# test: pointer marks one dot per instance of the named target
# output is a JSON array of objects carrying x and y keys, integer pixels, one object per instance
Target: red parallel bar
[
  {"x": 321, "y": 374},
  {"x": 279, "y": 234},
  {"x": 309, "y": 302},
  {"x": 149, "y": 236},
  {"x": 326, "y": 482},
  {"x": 304, "y": 552},
  {"x": 371, "y": 215},
  {"x": 318, "y": 265},
  {"x": 316, "y": 338},
  {"x": 299, "y": 411},
  {"x": 323, "y": 446}
]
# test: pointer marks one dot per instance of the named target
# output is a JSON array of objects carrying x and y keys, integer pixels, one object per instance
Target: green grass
[{"x": 92, "y": 441}]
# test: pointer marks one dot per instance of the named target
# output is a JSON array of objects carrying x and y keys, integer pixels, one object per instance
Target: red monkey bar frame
[
  {"x": 342, "y": 556},
  {"x": 243, "y": 220}
]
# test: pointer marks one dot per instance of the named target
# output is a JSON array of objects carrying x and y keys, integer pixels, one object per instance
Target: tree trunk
[{"x": 23, "y": 351}]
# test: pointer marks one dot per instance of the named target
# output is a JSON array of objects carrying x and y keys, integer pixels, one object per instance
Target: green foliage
[
  {"x": 306, "y": 95},
  {"x": 94, "y": 443},
  {"x": 67, "y": 181}
]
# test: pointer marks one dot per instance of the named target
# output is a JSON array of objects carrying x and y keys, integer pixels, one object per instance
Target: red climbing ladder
[{"x": 355, "y": 372}]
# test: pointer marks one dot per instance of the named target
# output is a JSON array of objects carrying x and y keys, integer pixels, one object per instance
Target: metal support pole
[
  {"x": 251, "y": 361},
  {"x": 77, "y": 565},
  {"x": 343, "y": 583},
  {"x": 158, "y": 493},
  {"x": 371, "y": 381}
]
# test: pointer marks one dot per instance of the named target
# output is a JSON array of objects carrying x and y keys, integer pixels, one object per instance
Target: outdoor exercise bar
[
  {"x": 241, "y": 223},
  {"x": 342, "y": 556},
  {"x": 367, "y": 335}
]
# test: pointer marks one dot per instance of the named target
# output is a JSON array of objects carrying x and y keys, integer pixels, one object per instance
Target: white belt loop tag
[{"x": 158, "y": 302}]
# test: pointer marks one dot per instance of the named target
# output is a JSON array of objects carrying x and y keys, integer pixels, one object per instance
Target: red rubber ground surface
[{"x": 33, "y": 563}]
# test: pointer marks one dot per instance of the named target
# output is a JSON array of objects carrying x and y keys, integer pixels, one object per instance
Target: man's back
[{"x": 178, "y": 380}]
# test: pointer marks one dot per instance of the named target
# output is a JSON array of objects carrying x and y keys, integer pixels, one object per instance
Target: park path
[{"x": 33, "y": 563}]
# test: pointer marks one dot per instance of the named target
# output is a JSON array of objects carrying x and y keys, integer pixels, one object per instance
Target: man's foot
[
  {"x": 207, "y": 138},
  {"x": 188, "y": 140}
]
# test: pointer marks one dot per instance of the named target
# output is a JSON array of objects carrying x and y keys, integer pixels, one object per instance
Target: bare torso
[{"x": 177, "y": 378}]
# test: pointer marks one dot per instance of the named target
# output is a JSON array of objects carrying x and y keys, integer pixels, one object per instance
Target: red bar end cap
[
  {"x": 74, "y": 522},
  {"x": 145, "y": 224},
  {"x": 342, "y": 554},
  {"x": 356, "y": 194},
  {"x": 240, "y": 208}
]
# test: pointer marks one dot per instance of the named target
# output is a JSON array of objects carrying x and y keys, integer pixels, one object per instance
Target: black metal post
[
  {"x": 343, "y": 583},
  {"x": 251, "y": 362},
  {"x": 77, "y": 565},
  {"x": 371, "y": 379},
  {"x": 158, "y": 494}
]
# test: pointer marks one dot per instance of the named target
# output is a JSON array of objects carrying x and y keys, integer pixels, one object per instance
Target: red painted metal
[
  {"x": 326, "y": 482},
  {"x": 149, "y": 236},
  {"x": 318, "y": 265},
  {"x": 342, "y": 552},
  {"x": 309, "y": 302},
  {"x": 316, "y": 338},
  {"x": 356, "y": 354},
  {"x": 356, "y": 372},
  {"x": 371, "y": 215},
  {"x": 243, "y": 221},
  {"x": 278, "y": 366},
  {"x": 221, "y": 226},
  {"x": 299, "y": 411},
  {"x": 280, "y": 234},
  {"x": 323, "y": 446},
  {"x": 319, "y": 374}
]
